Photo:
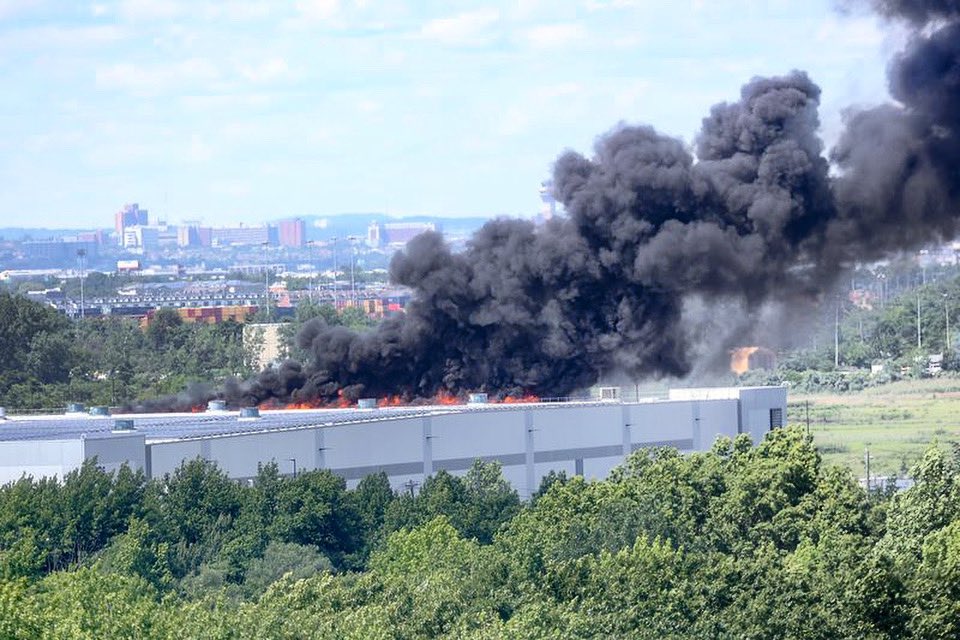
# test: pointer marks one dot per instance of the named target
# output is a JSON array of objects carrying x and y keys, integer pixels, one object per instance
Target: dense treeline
[
  {"x": 49, "y": 360},
  {"x": 742, "y": 541}
]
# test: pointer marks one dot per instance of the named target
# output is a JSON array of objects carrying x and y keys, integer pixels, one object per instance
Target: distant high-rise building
[
  {"x": 58, "y": 252},
  {"x": 396, "y": 234},
  {"x": 226, "y": 236},
  {"x": 375, "y": 235},
  {"x": 292, "y": 233},
  {"x": 139, "y": 238},
  {"x": 131, "y": 215}
]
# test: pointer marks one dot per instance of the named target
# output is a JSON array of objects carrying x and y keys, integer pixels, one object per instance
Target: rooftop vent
[
  {"x": 216, "y": 405},
  {"x": 367, "y": 403},
  {"x": 249, "y": 413},
  {"x": 609, "y": 394},
  {"x": 75, "y": 407},
  {"x": 99, "y": 411},
  {"x": 477, "y": 398},
  {"x": 123, "y": 425}
]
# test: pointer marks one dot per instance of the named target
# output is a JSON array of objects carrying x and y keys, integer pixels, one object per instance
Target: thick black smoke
[{"x": 658, "y": 237}]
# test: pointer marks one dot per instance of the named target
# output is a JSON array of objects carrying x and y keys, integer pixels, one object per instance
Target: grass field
[{"x": 896, "y": 422}]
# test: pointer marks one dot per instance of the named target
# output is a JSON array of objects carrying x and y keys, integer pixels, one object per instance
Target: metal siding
[
  {"x": 755, "y": 408},
  {"x": 39, "y": 458},
  {"x": 112, "y": 452},
  {"x": 578, "y": 427},
  {"x": 660, "y": 421},
  {"x": 599, "y": 468},
  {"x": 486, "y": 433},
  {"x": 167, "y": 456},
  {"x": 240, "y": 456},
  {"x": 373, "y": 444},
  {"x": 717, "y": 418}
]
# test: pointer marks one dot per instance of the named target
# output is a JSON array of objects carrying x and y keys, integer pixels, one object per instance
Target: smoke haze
[{"x": 667, "y": 256}]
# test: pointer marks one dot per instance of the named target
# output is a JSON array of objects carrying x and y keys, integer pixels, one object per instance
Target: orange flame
[
  {"x": 445, "y": 397},
  {"x": 525, "y": 399},
  {"x": 740, "y": 359}
]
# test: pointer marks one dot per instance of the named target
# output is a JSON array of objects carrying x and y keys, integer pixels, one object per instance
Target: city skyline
[{"x": 255, "y": 111}]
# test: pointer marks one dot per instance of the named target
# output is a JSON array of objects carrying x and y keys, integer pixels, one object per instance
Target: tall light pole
[
  {"x": 946, "y": 314},
  {"x": 310, "y": 245},
  {"x": 353, "y": 260},
  {"x": 919, "y": 339},
  {"x": 336, "y": 270},
  {"x": 266, "y": 282},
  {"x": 836, "y": 337},
  {"x": 81, "y": 254}
]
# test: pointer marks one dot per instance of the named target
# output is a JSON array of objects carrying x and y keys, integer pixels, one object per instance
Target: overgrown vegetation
[
  {"x": 741, "y": 541},
  {"x": 49, "y": 360}
]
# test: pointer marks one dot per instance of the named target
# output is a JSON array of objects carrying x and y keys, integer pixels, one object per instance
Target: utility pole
[
  {"x": 294, "y": 461},
  {"x": 919, "y": 339},
  {"x": 353, "y": 260},
  {"x": 313, "y": 289},
  {"x": 266, "y": 282},
  {"x": 946, "y": 313},
  {"x": 81, "y": 254},
  {"x": 836, "y": 338},
  {"x": 866, "y": 461},
  {"x": 336, "y": 271}
]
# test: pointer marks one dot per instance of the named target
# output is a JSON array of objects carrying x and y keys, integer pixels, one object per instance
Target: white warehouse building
[{"x": 586, "y": 438}]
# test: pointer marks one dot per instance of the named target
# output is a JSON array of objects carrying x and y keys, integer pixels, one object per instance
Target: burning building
[
  {"x": 666, "y": 255},
  {"x": 751, "y": 359},
  {"x": 408, "y": 443}
]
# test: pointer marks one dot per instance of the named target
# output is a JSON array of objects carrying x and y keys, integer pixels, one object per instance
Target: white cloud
[
  {"x": 857, "y": 32},
  {"x": 554, "y": 35},
  {"x": 47, "y": 38},
  {"x": 143, "y": 80},
  {"x": 469, "y": 28},
  {"x": 151, "y": 10},
  {"x": 9, "y": 8},
  {"x": 318, "y": 10},
  {"x": 368, "y": 105},
  {"x": 198, "y": 150},
  {"x": 266, "y": 71}
]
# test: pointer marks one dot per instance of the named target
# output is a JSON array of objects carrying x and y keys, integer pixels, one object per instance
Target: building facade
[{"x": 407, "y": 443}]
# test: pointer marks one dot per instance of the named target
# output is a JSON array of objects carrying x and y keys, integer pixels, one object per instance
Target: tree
[{"x": 313, "y": 509}]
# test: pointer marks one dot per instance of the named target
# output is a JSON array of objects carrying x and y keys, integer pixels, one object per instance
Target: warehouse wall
[
  {"x": 528, "y": 441},
  {"x": 114, "y": 449},
  {"x": 39, "y": 458}
]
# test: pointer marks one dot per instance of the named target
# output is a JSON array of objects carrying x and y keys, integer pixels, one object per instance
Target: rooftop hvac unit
[
  {"x": 99, "y": 411},
  {"x": 3, "y": 413},
  {"x": 75, "y": 407},
  {"x": 123, "y": 425},
  {"x": 477, "y": 398},
  {"x": 609, "y": 394},
  {"x": 249, "y": 413},
  {"x": 367, "y": 403},
  {"x": 216, "y": 405}
]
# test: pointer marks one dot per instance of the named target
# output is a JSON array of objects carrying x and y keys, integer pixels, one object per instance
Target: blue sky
[{"x": 246, "y": 111}]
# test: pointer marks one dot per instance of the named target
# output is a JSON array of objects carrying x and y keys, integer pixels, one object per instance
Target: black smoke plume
[{"x": 657, "y": 238}]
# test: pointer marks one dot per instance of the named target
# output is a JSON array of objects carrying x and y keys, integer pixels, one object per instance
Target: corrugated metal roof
[
  {"x": 184, "y": 426},
  {"x": 175, "y": 426}
]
